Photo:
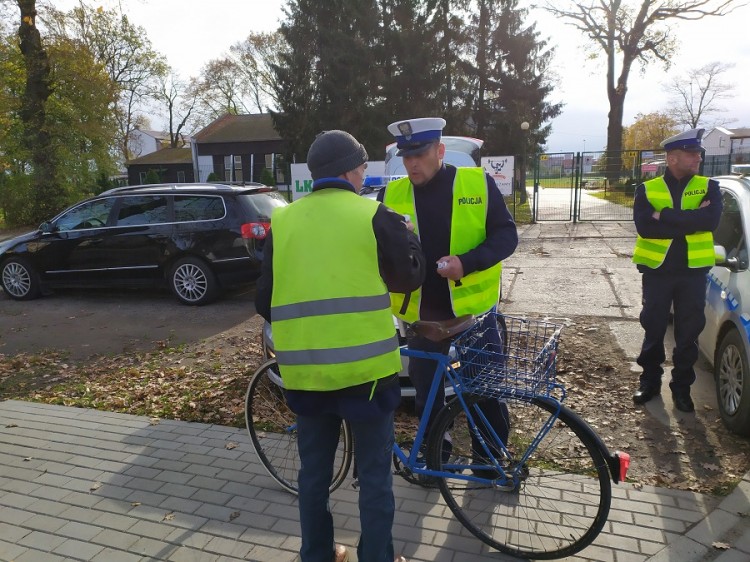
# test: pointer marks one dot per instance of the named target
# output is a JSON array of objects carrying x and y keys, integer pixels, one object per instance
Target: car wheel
[
  {"x": 733, "y": 383},
  {"x": 193, "y": 282},
  {"x": 20, "y": 280}
]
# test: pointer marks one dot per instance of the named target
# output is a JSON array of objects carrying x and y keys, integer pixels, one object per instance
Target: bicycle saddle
[{"x": 438, "y": 330}]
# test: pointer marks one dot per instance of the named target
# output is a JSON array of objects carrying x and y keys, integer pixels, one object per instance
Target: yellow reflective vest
[
  {"x": 332, "y": 325},
  {"x": 651, "y": 252},
  {"x": 478, "y": 291}
]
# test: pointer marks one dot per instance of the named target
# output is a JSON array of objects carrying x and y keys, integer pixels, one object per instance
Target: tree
[
  {"x": 219, "y": 90},
  {"x": 648, "y": 130},
  {"x": 324, "y": 80},
  {"x": 695, "y": 100},
  {"x": 47, "y": 193},
  {"x": 511, "y": 79},
  {"x": 179, "y": 103},
  {"x": 125, "y": 52},
  {"x": 634, "y": 32},
  {"x": 253, "y": 59},
  {"x": 77, "y": 119}
]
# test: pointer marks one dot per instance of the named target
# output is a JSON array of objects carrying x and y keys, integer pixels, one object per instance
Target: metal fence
[{"x": 599, "y": 186}]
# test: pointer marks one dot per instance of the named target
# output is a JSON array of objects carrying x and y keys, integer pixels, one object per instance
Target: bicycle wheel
[
  {"x": 553, "y": 505},
  {"x": 273, "y": 430}
]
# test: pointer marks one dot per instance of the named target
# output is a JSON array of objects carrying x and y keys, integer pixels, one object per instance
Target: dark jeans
[
  {"x": 422, "y": 371},
  {"x": 318, "y": 437},
  {"x": 686, "y": 294}
]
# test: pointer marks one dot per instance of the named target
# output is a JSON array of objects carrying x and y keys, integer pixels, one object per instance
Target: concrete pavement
[{"x": 80, "y": 484}]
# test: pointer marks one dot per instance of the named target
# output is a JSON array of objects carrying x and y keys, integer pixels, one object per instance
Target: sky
[{"x": 192, "y": 32}]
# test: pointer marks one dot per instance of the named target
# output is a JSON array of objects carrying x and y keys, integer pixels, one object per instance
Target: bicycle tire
[
  {"x": 272, "y": 427},
  {"x": 560, "y": 498}
]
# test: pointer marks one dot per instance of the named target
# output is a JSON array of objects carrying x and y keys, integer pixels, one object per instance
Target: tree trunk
[{"x": 47, "y": 194}]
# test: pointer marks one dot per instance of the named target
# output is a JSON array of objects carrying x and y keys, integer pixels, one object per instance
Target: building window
[
  {"x": 229, "y": 174},
  {"x": 180, "y": 176},
  {"x": 141, "y": 177}
]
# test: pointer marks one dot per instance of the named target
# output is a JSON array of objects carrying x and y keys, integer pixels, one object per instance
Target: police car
[{"x": 725, "y": 340}]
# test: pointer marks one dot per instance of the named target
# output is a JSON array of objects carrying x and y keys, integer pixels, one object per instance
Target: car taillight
[{"x": 255, "y": 230}]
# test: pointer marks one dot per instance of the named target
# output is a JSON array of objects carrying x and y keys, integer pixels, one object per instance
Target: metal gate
[{"x": 590, "y": 186}]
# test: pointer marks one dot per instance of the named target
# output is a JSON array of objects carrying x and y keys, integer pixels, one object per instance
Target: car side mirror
[
  {"x": 720, "y": 256},
  {"x": 46, "y": 227}
]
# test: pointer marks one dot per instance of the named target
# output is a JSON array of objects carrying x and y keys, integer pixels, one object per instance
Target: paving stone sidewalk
[{"x": 80, "y": 484}]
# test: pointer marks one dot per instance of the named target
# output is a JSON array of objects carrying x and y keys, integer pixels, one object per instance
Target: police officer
[
  {"x": 674, "y": 216},
  {"x": 327, "y": 269},
  {"x": 466, "y": 231}
]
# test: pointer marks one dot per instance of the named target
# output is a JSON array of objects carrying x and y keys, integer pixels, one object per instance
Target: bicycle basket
[{"x": 503, "y": 355}]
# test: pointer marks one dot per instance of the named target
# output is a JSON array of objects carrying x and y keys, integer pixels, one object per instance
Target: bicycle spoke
[
  {"x": 273, "y": 431},
  {"x": 552, "y": 505}
]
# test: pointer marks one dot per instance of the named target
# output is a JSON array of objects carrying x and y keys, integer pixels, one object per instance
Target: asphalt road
[{"x": 90, "y": 322}]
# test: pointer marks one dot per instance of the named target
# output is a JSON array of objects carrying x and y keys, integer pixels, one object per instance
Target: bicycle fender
[{"x": 617, "y": 462}]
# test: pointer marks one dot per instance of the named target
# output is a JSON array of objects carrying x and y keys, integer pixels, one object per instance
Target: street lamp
[{"x": 524, "y": 140}]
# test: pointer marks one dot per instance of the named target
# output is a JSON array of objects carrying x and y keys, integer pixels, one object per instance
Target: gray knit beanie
[{"x": 333, "y": 153}]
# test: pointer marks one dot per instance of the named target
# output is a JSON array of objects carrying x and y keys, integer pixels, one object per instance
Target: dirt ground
[{"x": 696, "y": 453}]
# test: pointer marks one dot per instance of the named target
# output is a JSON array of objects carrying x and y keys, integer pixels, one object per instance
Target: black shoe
[
  {"x": 488, "y": 473},
  {"x": 645, "y": 393},
  {"x": 683, "y": 402}
]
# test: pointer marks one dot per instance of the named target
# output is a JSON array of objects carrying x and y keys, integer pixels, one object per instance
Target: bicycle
[{"x": 544, "y": 494}]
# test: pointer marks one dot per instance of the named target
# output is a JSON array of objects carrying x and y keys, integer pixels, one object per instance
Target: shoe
[
  {"x": 645, "y": 393},
  {"x": 485, "y": 471},
  {"x": 340, "y": 553},
  {"x": 683, "y": 402}
]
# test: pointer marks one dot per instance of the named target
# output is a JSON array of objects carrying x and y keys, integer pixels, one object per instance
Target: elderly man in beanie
[
  {"x": 674, "y": 216},
  {"x": 329, "y": 264}
]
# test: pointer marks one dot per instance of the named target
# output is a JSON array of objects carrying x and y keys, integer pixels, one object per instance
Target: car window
[
  {"x": 142, "y": 209},
  {"x": 197, "y": 208},
  {"x": 92, "y": 214},
  {"x": 730, "y": 232},
  {"x": 263, "y": 204}
]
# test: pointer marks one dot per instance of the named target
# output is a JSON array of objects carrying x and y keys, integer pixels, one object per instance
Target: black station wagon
[{"x": 197, "y": 239}]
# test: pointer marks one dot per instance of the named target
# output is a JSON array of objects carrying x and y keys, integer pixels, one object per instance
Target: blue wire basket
[{"x": 504, "y": 355}]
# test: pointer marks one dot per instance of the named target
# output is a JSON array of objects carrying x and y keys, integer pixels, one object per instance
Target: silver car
[{"x": 725, "y": 341}]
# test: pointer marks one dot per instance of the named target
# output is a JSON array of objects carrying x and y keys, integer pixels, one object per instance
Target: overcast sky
[{"x": 191, "y": 32}]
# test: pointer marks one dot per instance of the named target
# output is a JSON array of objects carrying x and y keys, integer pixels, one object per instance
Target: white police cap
[
  {"x": 689, "y": 141},
  {"x": 413, "y": 136}
]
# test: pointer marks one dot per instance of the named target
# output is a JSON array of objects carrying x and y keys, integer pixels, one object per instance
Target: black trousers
[
  {"x": 422, "y": 371},
  {"x": 685, "y": 293}
]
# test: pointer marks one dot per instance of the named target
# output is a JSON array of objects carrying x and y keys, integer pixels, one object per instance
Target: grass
[
  {"x": 619, "y": 197},
  {"x": 521, "y": 211}
]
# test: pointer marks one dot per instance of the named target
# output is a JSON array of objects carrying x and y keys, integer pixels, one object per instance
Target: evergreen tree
[
  {"x": 511, "y": 79},
  {"x": 325, "y": 80}
]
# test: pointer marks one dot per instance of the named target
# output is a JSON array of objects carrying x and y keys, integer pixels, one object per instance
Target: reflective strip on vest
[
  {"x": 479, "y": 291},
  {"x": 332, "y": 325},
  {"x": 651, "y": 252}
]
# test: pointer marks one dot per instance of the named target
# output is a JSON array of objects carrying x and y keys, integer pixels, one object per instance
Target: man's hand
[
  {"x": 656, "y": 215},
  {"x": 450, "y": 267},
  {"x": 705, "y": 203}
]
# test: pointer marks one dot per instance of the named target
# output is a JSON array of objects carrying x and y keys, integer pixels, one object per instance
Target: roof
[
  {"x": 742, "y": 132},
  {"x": 164, "y": 156},
  {"x": 160, "y": 135},
  {"x": 239, "y": 128}
]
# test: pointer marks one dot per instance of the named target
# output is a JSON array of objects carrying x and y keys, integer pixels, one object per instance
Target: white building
[{"x": 722, "y": 141}]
